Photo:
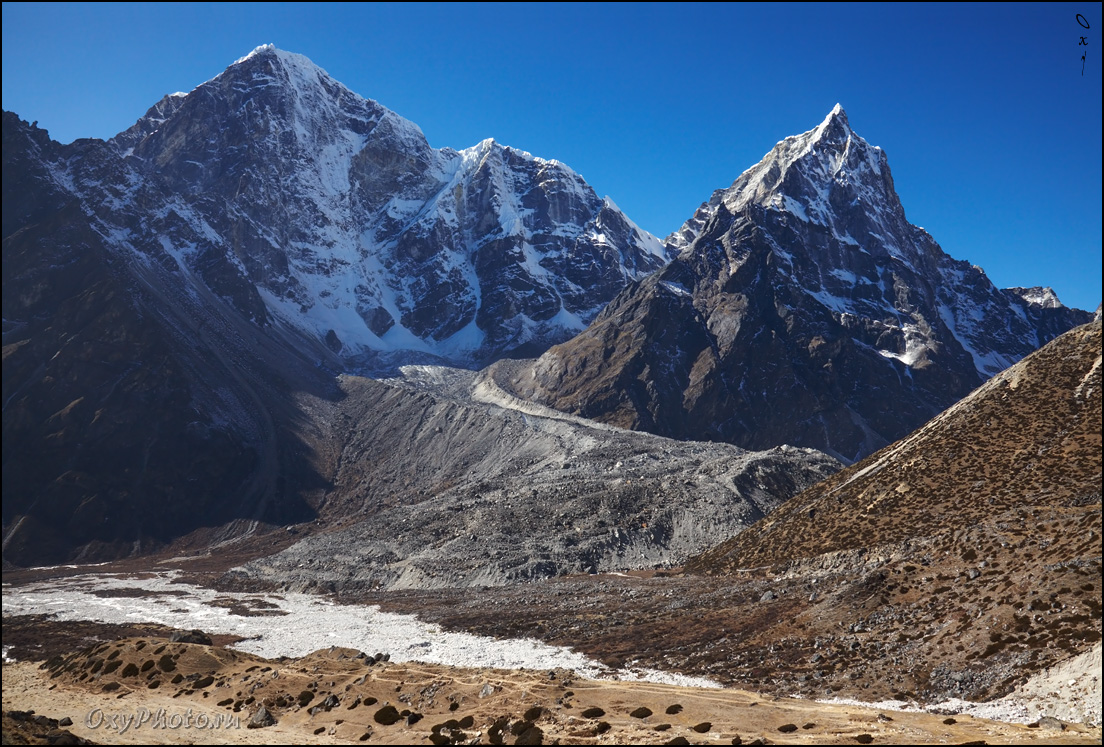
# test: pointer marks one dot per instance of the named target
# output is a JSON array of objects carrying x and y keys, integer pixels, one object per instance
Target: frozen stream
[{"x": 297, "y": 624}]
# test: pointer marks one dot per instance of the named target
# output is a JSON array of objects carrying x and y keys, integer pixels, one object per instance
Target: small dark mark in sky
[{"x": 1083, "y": 23}]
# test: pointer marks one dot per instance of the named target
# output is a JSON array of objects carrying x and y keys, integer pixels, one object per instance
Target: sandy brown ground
[{"x": 214, "y": 681}]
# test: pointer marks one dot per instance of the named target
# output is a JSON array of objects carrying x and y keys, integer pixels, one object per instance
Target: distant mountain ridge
[
  {"x": 178, "y": 299},
  {"x": 802, "y": 308}
]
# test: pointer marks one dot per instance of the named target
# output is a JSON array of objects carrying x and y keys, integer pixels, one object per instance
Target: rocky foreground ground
[{"x": 146, "y": 688}]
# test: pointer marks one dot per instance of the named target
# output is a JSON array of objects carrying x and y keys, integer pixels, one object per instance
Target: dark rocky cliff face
[
  {"x": 802, "y": 308},
  {"x": 134, "y": 412}
]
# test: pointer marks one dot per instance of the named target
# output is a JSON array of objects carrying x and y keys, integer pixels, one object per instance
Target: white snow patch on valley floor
[
  {"x": 309, "y": 623},
  {"x": 1069, "y": 691}
]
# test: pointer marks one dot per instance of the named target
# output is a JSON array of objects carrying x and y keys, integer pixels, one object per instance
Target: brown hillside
[{"x": 1029, "y": 439}]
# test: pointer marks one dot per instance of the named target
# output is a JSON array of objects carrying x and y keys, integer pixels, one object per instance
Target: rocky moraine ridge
[{"x": 444, "y": 480}]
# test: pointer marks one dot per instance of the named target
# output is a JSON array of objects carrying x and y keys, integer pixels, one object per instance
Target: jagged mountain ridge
[
  {"x": 333, "y": 214},
  {"x": 802, "y": 308}
]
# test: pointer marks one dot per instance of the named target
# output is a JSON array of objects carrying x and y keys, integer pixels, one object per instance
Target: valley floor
[
  {"x": 76, "y": 620},
  {"x": 347, "y": 700}
]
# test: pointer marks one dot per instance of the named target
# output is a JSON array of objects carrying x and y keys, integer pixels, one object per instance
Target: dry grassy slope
[
  {"x": 331, "y": 696},
  {"x": 1030, "y": 438}
]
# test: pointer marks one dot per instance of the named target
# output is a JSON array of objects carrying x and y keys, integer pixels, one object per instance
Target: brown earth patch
[{"x": 436, "y": 704}]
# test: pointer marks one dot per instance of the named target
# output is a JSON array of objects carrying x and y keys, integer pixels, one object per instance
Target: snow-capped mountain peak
[
  {"x": 328, "y": 212},
  {"x": 257, "y": 51},
  {"x": 835, "y": 126},
  {"x": 1043, "y": 297},
  {"x": 802, "y": 308},
  {"x": 315, "y": 94},
  {"x": 804, "y": 176},
  {"x": 799, "y": 175},
  {"x": 833, "y": 189}
]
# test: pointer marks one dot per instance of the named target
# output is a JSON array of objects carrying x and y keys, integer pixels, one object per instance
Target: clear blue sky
[{"x": 993, "y": 134}]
